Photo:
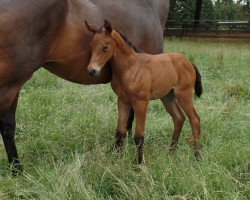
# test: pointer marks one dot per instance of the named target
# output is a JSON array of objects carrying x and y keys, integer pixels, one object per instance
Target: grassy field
[{"x": 65, "y": 132}]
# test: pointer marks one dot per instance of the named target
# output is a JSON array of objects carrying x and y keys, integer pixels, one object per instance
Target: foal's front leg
[
  {"x": 140, "y": 108},
  {"x": 123, "y": 115}
]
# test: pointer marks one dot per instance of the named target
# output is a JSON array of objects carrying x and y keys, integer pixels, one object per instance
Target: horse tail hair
[{"x": 198, "y": 86}]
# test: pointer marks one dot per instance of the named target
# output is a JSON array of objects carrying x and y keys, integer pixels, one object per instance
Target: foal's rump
[{"x": 187, "y": 72}]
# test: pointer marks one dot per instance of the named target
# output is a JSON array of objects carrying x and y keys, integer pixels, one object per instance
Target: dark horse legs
[
  {"x": 7, "y": 128},
  {"x": 130, "y": 122}
]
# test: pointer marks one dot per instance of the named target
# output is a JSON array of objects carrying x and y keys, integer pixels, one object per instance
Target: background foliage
[{"x": 182, "y": 10}]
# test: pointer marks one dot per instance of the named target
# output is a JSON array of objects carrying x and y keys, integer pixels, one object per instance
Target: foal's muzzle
[{"x": 94, "y": 72}]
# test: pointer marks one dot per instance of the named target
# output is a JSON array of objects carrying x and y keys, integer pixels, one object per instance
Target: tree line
[{"x": 192, "y": 10}]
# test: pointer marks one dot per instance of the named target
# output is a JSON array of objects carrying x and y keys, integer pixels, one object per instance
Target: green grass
[{"x": 65, "y": 132}]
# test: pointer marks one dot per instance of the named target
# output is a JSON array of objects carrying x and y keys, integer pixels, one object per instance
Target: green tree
[
  {"x": 182, "y": 10},
  {"x": 243, "y": 10},
  {"x": 197, "y": 14},
  {"x": 207, "y": 12},
  {"x": 225, "y": 10}
]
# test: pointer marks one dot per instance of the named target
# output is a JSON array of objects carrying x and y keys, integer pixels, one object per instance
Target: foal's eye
[{"x": 106, "y": 47}]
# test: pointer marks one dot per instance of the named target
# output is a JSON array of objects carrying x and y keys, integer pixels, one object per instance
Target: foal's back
[
  {"x": 165, "y": 71},
  {"x": 166, "y": 62}
]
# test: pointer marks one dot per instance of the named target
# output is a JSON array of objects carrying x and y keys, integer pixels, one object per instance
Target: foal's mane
[
  {"x": 99, "y": 30},
  {"x": 129, "y": 43}
]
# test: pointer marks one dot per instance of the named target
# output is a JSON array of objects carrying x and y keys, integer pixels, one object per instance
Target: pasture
[{"x": 65, "y": 132}]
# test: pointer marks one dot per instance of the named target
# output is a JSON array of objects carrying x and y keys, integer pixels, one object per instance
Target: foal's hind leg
[
  {"x": 184, "y": 99},
  {"x": 171, "y": 106},
  {"x": 7, "y": 128},
  {"x": 190, "y": 138}
]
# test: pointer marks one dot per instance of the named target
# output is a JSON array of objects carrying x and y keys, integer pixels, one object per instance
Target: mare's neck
[{"x": 124, "y": 55}]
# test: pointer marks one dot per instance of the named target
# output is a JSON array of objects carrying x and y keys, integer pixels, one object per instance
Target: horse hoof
[
  {"x": 190, "y": 138},
  {"x": 172, "y": 151},
  {"x": 197, "y": 156},
  {"x": 114, "y": 149},
  {"x": 17, "y": 169},
  {"x": 141, "y": 160},
  {"x": 173, "y": 147}
]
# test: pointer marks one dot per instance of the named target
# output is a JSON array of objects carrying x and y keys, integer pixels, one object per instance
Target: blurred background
[{"x": 209, "y": 18}]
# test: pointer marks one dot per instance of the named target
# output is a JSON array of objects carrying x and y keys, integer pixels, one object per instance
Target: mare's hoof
[{"x": 17, "y": 169}]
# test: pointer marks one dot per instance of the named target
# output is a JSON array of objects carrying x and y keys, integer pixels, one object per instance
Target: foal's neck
[{"x": 124, "y": 55}]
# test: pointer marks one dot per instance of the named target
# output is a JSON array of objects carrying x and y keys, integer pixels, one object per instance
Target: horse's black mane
[{"x": 129, "y": 43}]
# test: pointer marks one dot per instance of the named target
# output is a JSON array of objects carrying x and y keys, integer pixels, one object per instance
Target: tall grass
[{"x": 65, "y": 132}]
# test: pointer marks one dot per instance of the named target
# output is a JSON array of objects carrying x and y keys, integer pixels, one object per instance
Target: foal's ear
[
  {"x": 108, "y": 26},
  {"x": 90, "y": 27}
]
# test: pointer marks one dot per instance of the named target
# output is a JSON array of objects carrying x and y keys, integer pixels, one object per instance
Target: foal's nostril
[{"x": 92, "y": 73}]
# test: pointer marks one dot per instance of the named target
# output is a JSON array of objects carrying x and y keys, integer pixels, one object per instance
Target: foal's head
[{"x": 102, "y": 47}]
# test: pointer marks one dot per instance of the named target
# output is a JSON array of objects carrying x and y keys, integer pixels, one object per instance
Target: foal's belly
[
  {"x": 159, "y": 93},
  {"x": 163, "y": 82}
]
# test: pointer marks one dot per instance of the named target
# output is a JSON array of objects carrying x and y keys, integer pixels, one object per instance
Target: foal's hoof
[
  {"x": 172, "y": 151},
  {"x": 173, "y": 147},
  {"x": 141, "y": 160},
  {"x": 197, "y": 156},
  {"x": 114, "y": 149},
  {"x": 190, "y": 138},
  {"x": 117, "y": 147}
]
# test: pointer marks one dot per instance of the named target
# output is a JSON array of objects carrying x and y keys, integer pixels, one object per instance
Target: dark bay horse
[
  {"x": 50, "y": 33},
  {"x": 140, "y": 77}
]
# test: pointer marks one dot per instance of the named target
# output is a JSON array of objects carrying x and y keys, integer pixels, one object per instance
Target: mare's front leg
[
  {"x": 140, "y": 108},
  {"x": 7, "y": 128},
  {"x": 123, "y": 115}
]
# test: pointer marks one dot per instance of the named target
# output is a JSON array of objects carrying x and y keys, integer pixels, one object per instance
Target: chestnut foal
[{"x": 139, "y": 77}]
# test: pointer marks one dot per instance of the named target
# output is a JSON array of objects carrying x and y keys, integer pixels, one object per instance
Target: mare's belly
[{"x": 76, "y": 71}]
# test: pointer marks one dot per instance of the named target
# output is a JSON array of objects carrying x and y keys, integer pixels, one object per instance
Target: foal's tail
[{"x": 198, "y": 85}]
